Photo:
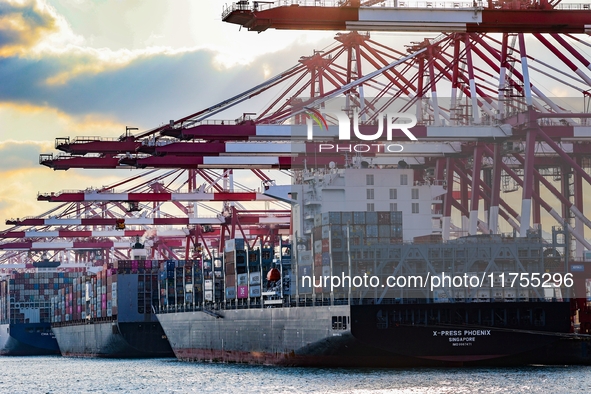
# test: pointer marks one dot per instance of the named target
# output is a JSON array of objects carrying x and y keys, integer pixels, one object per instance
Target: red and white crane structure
[
  {"x": 497, "y": 113},
  {"x": 156, "y": 206},
  {"x": 502, "y": 16}
]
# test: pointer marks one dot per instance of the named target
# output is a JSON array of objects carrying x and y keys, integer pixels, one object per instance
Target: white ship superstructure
[{"x": 368, "y": 189}]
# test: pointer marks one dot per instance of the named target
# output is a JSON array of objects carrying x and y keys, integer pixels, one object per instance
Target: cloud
[
  {"x": 20, "y": 186},
  {"x": 23, "y": 24},
  {"x": 34, "y": 30},
  {"x": 21, "y": 154},
  {"x": 147, "y": 92},
  {"x": 28, "y": 122},
  {"x": 144, "y": 87}
]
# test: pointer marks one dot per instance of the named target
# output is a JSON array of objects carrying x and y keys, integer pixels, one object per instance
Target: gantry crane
[
  {"x": 478, "y": 139},
  {"x": 97, "y": 224},
  {"x": 503, "y": 16}
]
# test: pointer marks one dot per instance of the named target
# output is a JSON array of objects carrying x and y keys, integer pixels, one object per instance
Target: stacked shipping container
[
  {"x": 119, "y": 301},
  {"x": 237, "y": 278},
  {"x": 25, "y": 309},
  {"x": 181, "y": 283},
  {"x": 25, "y": 297},
  {"x": 4, "y": 302},
  {"x": 95, "y": 296},
  {"x": 336, "y": 234},
  {"x": 85, "y": 298},
  {"x": 233, "y": 247}
]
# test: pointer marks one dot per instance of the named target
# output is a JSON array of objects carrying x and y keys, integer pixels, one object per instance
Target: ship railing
[
  {"x": 92, "y": 138},
  {"x": 220, "y": 122},
  {"x": 434, "y": 182},
  {"x": 85, "y": 321},
  {"x": 177, "y": 308},
  {"x": 286, "y": 302},
  {"x": 267, "y": 5},
  {"x": 573, "y": 6},
  {"x": 25, "y": 218}
]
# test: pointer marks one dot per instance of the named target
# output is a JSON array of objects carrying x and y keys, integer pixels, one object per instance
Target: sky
[{"x": 92, "y": 67}]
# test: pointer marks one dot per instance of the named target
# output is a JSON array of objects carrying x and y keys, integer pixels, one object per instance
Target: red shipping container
[
  {"x": 230, "y": 280},
  {"x": 317, "y": 290},
  {"x": 318, "y": 271},
  {"x": 317, "y": 260},
  {"x": 325, "y": 245}
]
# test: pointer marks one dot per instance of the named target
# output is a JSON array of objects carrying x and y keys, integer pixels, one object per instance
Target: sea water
[{"x": 77, "y": 375}]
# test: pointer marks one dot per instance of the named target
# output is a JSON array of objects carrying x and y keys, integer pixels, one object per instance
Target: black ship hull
[
  {"x": 342, "y": 336},
  {"x": 112, "y": 339},
  {"x": 27, "y": 339},
  {"x": 472, "y": 334}
]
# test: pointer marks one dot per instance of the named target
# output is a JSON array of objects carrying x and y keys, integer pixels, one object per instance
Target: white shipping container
[
  {"x": 318, "y": 246},
  {"x": 483, "y": 294},
  {"x": 255, "y": 278},
  {"x": 318, "y": 220},
  {"x": 497, "y": 292},
  {"x": 523, "y": 294},
  {"x": 306, "y": 257},
  {"x": 471, "y": 292},
  {"x": 229, "y": 245},
  {"x": 242, "y": 279},
  {"x": 440, "y": 296},
  {"x": 255, "y": 291},
  {"x": 510, "y": 294}
]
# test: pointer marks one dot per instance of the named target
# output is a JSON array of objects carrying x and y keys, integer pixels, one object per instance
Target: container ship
[
  {"x": 379, "y": 222},
  {"x": 109, "y": 314},
  {"x": 25, "y": 308}
]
